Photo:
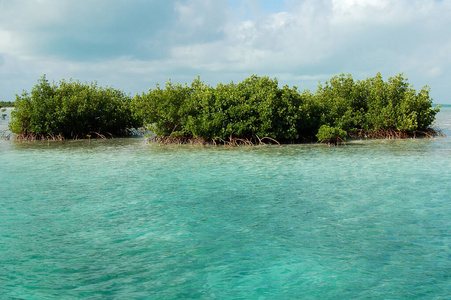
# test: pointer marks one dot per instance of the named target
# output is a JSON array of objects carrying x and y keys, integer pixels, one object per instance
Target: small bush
[{"x": 331, "y": 135}]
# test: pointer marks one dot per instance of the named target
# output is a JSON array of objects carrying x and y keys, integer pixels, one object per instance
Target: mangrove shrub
[
  {"x": 252, "y": 109},
  {"x": 71, "y": 109},
  {"x": 257, "y": 107}
]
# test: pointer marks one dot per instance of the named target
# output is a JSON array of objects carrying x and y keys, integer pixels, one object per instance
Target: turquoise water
[{"x": 119, "y": 219}]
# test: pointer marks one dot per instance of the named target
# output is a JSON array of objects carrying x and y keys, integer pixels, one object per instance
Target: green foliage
[
  {"x": 250, "y": 110},
  {"x": 343, "y": 102},
  {"x": 162, "y": 108},
  {"x": 257, "y": 107},
  {"x": 6, "y": 104},
  {"x": 373, "y": 105},
  {"x": 72, "y": 110},
  {"x": 389, "y": 105},
  {"x": 331, "y": 135},
  {"x": 254, "y": 107}
]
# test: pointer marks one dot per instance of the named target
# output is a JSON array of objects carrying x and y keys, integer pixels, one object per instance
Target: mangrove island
[{"x": 253, "y": 111}]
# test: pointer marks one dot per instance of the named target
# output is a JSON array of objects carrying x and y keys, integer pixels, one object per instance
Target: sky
[{"x": 134, "y": 44}]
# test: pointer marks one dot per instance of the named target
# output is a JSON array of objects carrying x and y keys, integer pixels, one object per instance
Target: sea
[{"x": 125, "y": 219}]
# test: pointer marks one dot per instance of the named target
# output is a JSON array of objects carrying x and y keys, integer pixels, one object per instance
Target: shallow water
[{"x": 120, "y": 219}]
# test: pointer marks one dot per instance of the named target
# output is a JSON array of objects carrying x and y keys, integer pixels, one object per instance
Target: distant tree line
[
  {"x": 6, "y": 104},
  {"x": 255, "y": 110}
]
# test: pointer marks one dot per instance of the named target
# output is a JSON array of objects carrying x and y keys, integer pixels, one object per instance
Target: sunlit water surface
[{"x": 119, "y": 219}]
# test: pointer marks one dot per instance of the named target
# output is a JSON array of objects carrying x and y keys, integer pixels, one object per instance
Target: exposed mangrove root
[
  {"x": 166, "y": 140},
  {"x": 393, "y": 134},
  {"x": 271, "y": 139},
  {"x": 334, "y": 142},
  {"x": 99, "y": 134},
  {"x": 429, "y": 134},
  {"x": 38, "y": 137},
  {"x": 5, "y": 135},
  {"x": 59, "y": 137},
  {"x": 231, "y": 141},
  {"x": 234, "y": 142}
]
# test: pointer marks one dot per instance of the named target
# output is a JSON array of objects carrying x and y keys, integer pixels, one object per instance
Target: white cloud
[
  {"x": 7, "y": 43},
  {"x": 141, "y": 43}
]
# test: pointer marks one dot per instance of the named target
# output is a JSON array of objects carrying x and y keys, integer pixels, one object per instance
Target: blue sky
[{"x": 134, "y": 44}]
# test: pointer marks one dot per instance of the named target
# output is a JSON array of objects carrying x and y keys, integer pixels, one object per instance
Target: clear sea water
[{"x": 119, "y": 219}]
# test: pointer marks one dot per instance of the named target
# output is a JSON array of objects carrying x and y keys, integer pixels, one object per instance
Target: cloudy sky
[{"x": 134, "y": 44}]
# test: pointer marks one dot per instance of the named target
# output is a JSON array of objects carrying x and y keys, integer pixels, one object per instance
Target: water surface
[{"x": 120, "y": 219}]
